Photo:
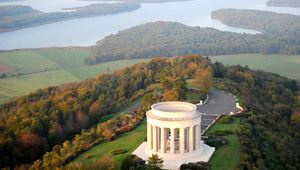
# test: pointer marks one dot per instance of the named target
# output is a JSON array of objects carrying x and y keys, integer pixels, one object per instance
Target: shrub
[
  {"x": 88, "y": 156},
  {"x": 125, "y": 129},
  {"x": 112, "y": 137},
  {"x": 118, "y": 151},
  {"x": 226, "y": 120},
  {"x": 132, "y": 162},
  {"x": 215, "y": 141},
  {"x": 221, "y": 132},
  {"x": 195, "y": 166},
  {"x": 118, "y": 132}
]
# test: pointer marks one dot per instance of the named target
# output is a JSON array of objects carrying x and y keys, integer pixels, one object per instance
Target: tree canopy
[{"x": 174, "y": 39}]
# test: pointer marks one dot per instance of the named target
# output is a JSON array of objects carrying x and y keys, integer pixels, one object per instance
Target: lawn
[
  {"x": 229, "y": 155},
  {"x": 46, "y": 67},
  {"x": 285, "y": 65},
  {"x": 128, "y": 141}
]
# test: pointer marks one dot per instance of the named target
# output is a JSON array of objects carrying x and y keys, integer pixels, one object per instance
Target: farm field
[
  {"x": 34, "y": 69},
  {"x": 285, "y": 65}
]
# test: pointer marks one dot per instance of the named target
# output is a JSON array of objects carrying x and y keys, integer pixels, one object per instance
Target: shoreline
[
  {"x": 243, "y": 26},
  {"x": 79, "y": 48},
  {"x": 61, "y": 20}
]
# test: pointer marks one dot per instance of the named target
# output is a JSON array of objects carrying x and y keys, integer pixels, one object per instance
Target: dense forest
[
  {"x": 266, "y": 22},
  {"x": 31, "y": 125},
  {"x": 284, "y": 3},
  {"x": 269, "y": 131},
  {"x": 175, "y": 39},
  {"x": 12, "y": 21}
]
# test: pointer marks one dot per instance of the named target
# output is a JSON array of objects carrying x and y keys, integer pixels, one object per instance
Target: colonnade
[{"x": 173, "y": 140}]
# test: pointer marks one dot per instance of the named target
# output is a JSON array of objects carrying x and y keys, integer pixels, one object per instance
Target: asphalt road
[
  {"x": 134, "y": 107},
  {"x": 219, "y": 103}
]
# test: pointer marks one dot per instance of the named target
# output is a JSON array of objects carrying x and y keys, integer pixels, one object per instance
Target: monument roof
[{"x": 174, "y": 110}]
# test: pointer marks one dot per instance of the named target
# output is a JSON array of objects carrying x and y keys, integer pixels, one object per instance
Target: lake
[{"x": 86, "y": 31}]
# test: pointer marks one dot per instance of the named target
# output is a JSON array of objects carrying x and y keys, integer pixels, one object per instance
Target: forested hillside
[
  {"x": 270, "y": 127},
  {"x": 33, "y": 124},
  {"x": 14, "y": 21},
  {"x": 175, "y": 39},
  {"x": 264, "y": 21},
  {"x": 284, "y": 3}
]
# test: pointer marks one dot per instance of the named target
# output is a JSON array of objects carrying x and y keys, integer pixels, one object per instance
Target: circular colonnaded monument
[{"x": 174, "y": 133}]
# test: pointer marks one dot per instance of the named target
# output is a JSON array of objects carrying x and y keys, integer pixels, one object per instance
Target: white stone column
[
  {"x": 158, "y": 138},
  {"x": 166, "y": 139},
  {"x": 149, "y": 136},
  {"x": 181, "y": 140},
  {"x": 197, "y": 136},
  {"x": 172, "y": 143},
  {"x": 191, "y": 139},
  {"x": 163, "y": 140},
  {"x": 154, "y": 129}
]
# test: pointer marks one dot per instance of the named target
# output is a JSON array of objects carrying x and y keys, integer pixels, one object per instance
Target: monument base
[{"x": 173, "y": 161}]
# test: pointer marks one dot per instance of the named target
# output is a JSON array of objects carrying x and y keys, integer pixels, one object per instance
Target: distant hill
[
  {"x": 284, "y": 3},
  {"x": 264, "y": 21},
  {"x": 15, "y": 10},
  {"x": 174, "y": 39}
]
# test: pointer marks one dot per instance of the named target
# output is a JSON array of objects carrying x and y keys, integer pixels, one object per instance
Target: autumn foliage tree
[
  {"x": 178, "y": 90},
  {"x": 205, "y": 78}
]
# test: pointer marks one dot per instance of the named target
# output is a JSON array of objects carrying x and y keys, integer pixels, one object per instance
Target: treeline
[
  {"x": 283, "y": 3},
  {"x": 175, "y": 39},
  {"x": 269, "y": 129},
  {"x": 31, "y": 125},
  {"x": 264, "y": 21},
  {"x": 13, "y": 21}
]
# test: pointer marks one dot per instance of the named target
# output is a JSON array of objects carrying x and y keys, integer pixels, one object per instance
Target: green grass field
[
  {"x": 46, "y": 67},
  {"x": 285, "y": 65},
  {"x": 128, "y": 141},
  {"x": 229, "y": 155}
]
